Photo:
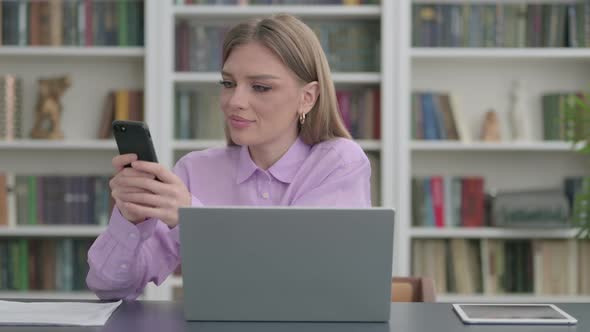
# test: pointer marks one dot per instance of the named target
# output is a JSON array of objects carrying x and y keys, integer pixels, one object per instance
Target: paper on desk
[{"x": 56, "y": 313}]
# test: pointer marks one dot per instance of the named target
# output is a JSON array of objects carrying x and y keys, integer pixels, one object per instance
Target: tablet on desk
[{"x": 512, "y": 314}]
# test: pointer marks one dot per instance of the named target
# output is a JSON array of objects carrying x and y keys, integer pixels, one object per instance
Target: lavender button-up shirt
[{"x": 125, "y": 257}]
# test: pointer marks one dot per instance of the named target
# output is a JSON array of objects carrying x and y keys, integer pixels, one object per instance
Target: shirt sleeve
[
  {"x": 348, "y": 185},
  {"x": 125, "y": 257}
]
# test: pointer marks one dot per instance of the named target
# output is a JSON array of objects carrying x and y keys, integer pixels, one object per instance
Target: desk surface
[{"x": 156, "y": 316}]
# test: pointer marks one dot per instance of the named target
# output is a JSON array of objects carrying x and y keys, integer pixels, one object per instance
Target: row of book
[
  {"x": 278, "y": 2},
  {"x": 563, "y": 119},
  {"x": 448, "y": 201},
  {"x": 11, "y": 103},
  {"x": 198, "y": 113},
  {"x": 501, "y": 25},
  {"x": 452, "y": 201},
  {"x": 361, "y": 112},
  {"x": 123, "y": 104},
  {"x": 72, "y": 23},
  {"x": 500, "y": 266},
  {"x": 349, "y": 46},
  {"x": 435, "y": 116},
  {"x": 55, "y": 200},
  {"x": 44, "y": 264}
]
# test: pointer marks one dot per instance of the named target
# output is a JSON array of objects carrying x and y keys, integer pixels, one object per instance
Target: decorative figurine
[
  {"x": 491, "y": 127},
  {"x": 49, "y": 108},
  {"x": 519, "y": 126}
]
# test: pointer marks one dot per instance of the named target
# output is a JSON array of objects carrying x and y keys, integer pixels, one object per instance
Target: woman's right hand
[{"x": 117, "y": 189}]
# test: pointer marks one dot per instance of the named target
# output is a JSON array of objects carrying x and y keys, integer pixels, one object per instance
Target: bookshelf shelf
[
  {"x": 490, "y": 233},
  {"x": 196, "y": 144},
  {"x": 47, "y": 295},
  {"x": 199, "y": 144},
  {"x": 31, "y": 144},
  {"x": 512, "y": 298},
  {"x": 52, "y": 231},
  {"x": 458, "y": 53},
  {"x": 369, "y": 144},
  {"x": 213, "y": 77},
  {"x": 491, "y": 147},
  {"x": 73, "y": 51},
  {"x": 319, "y": 11}
]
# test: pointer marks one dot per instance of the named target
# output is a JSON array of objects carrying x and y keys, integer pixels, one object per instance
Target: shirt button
[
  {"x": 132, "y": 235},
  {"x": 265, "y": 195},
  {"x": 124, "y": 266}
]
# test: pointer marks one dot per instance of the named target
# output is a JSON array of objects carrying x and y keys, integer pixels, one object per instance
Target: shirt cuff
[
  {"x": 126, "y": 233},
  {"x": 174, "y": 234}
]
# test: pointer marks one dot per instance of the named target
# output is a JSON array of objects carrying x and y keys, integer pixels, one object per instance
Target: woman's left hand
[{"x": 166, "y": 194}]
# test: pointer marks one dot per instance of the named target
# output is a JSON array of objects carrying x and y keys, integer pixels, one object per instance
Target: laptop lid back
[{"x": 286, "y": 264}]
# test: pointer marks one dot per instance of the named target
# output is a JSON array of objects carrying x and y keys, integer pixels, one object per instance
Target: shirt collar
[{"x": 283, "y": 170}]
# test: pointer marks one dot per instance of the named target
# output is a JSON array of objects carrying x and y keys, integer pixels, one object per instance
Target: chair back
[{"x": 412, "y": 289}]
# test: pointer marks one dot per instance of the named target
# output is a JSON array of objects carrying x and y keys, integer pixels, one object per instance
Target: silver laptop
[{"x": 286, "y": 264}]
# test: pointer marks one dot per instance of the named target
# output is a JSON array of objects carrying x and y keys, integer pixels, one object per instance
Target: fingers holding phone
[
  {"x": 120, "y": 186},
  {"x": 147, "y": 189},
  {"x": 165, "y": 195}
]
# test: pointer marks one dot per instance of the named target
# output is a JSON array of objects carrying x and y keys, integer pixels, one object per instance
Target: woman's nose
[{"x": 238, "y": 98}]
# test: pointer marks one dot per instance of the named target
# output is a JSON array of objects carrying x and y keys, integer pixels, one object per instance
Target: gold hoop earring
[{"x": 302, "y": 118}]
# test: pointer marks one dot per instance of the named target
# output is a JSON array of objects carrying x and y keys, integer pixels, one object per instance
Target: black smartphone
[{"x": 134, "y": 137}]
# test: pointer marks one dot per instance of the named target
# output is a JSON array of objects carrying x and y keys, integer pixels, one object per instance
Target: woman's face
[{"x": 260, "y": 98}]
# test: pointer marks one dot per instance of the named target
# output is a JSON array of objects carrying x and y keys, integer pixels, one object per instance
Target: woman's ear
[{"x": 310, "y": 93}]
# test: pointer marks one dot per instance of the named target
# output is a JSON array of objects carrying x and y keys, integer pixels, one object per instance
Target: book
[
  {"x": 10, "y": 107},
  {"x": 3, "y": 199}
]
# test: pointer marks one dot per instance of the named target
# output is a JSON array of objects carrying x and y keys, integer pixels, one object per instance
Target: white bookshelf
[
  {"x": 500, "y": 53},
  {"x": 541, "y": 147},
  {"x": 312, "y": 11},
  {"x": 339, "y": 78},
  {"x": 35, "y": 144},
  {"x": 490, "y": 233},
  {"x": 94, "y": 71},
  {"x": 171, "y": 79},
  {"x": 73, "y": 51},
  {"x": 47, "y": 231},
  {"x": 480, "y": 79}
]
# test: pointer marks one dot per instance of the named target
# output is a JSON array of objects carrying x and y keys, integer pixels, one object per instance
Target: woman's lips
[{"x": 239, "y": 122}]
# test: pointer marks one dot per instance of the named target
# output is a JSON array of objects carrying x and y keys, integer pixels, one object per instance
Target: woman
[{"x": 286, "y": 146}]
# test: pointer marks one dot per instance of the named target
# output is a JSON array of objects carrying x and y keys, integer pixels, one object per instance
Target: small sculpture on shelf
[
  {"x": 490, "y": 131},
  {"x": 519, "y": 127},
  {"x": 49, "y": 108}
]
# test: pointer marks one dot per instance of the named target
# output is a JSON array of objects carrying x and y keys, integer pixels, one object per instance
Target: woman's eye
[
  {"x": 260, "y": 88},
  {"x": 227, "y": 84}
]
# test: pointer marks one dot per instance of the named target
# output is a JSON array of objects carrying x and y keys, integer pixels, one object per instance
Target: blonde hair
[{"x": 299, "y": 49}]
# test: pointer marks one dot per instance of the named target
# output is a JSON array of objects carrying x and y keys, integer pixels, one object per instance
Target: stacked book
[
  {"x": 448, "y": 201},
  {"x": 71, "y": 23},
  {"x": 361, "y": 112},
  {"x": 349, "y": 46},
  {"x": 10, "y": 107},
  {"x": 54, "y": 200},
  {"x": 501, "y": 25},
  {"x": 198, "y": 115},
  {"x": 121, "y": 104},
  {"x": 45, "y": 264},
  {"x": 278, "y": 2},
  {"x": 563, "y": 119},
  {"x": 435, "y": 116},
  {"x": 504, "y": 266}
]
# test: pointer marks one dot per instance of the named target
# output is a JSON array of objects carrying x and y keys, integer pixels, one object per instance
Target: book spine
[{"x": 438, "y": 199}]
